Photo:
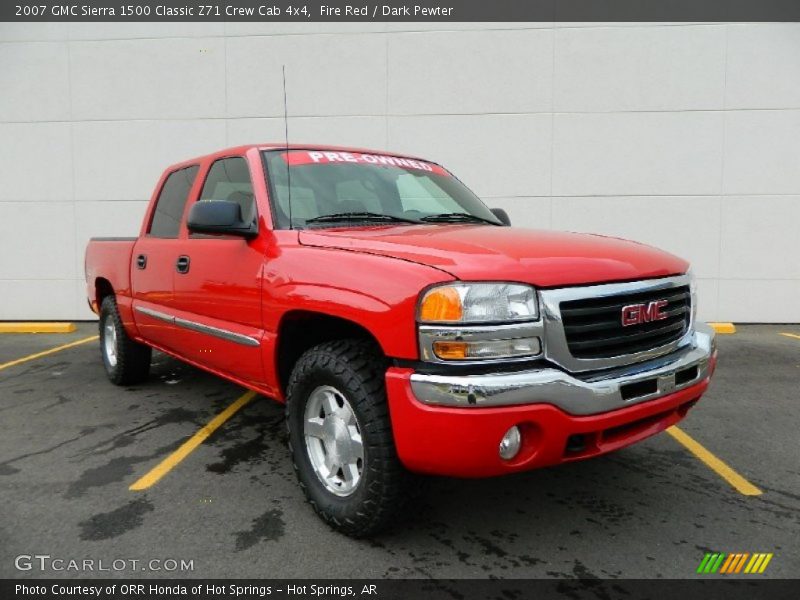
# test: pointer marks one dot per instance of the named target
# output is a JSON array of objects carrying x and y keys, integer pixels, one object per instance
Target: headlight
[
  {"x": 478, "y": 303},
  {"x": 479, "y": 322}
]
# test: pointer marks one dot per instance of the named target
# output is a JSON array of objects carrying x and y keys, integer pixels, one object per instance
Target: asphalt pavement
[{"x": 72, "y": 444}]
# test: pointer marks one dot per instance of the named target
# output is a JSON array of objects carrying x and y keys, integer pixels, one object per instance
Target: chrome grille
[{"x": 593, "y": 326}]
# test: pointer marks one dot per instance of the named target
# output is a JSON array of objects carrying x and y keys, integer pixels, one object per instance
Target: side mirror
[
  {"x": 502, "y": 215},
  {"x": 220, "y": 217}
]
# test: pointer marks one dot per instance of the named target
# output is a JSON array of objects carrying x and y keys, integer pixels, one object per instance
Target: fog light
[{"x": 509, "y": 445}]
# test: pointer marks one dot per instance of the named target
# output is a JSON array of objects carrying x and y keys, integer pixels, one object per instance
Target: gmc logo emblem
[{"x": 634, "y": 314}]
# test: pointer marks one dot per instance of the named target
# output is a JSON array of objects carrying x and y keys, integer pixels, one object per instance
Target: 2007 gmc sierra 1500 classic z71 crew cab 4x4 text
[{"x": 405, "y": 325}]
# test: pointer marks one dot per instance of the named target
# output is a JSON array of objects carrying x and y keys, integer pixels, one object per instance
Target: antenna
[{"x": 286, "y": 134}]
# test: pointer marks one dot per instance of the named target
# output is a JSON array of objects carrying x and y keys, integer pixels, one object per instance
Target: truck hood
[{"x": 483, "y": 252}]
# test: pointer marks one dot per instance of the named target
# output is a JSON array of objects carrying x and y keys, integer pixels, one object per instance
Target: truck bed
[{"x": 108, "y": 258}]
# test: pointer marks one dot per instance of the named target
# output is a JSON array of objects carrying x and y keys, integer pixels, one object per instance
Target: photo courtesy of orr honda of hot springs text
[{"x": 408, "y": 328}]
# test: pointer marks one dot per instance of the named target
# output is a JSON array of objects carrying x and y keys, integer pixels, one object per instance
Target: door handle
[
  {"x": 182, "y": 266},
  {"x": 141, "y": 261}
]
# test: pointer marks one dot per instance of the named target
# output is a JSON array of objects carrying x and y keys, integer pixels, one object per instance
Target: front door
[{"x": 217, "y": 292}]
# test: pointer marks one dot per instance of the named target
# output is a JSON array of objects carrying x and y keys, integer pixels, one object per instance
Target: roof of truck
[{"x": 282, "y": 146}]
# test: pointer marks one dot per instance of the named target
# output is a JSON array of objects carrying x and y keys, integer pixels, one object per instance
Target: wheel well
[
  {"x": 102, "y": 288},
  {"x": 301, "y": 330}
]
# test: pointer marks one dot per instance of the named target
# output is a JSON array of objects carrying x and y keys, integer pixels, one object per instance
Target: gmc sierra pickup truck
[{"x": 406, "y": 326}]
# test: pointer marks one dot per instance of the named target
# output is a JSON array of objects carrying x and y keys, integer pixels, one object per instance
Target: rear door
[
  {"x": 217, "y": 295},
  {"x": 155, "y": 256}
]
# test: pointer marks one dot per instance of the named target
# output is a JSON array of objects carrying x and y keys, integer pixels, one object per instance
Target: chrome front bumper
[{"x": 578, "y": 394}]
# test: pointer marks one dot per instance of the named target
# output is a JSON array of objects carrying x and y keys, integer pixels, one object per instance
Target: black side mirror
[
  {"x": 220, "y": 217},
  {"x": 502, "y": 215}
]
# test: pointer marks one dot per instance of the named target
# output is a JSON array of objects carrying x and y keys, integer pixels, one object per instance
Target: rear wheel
[
  {"x": 341, "y": 438},
  {"x": 126, "y": 361}
]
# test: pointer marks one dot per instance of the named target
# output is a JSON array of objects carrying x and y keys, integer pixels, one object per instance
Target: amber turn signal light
[
  {"x": 441, "y": 304},
  {"x": 450, "y": 350}
]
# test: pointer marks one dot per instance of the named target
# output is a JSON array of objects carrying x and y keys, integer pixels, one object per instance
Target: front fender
[{"x": 378, "y": 293}]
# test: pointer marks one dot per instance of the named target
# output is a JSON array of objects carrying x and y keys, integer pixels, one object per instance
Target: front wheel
[
  {"x": 341, "y": 438},
  {"x": 126, "y": 361}
]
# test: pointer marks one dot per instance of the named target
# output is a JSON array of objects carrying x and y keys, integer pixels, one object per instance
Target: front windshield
[{"x": 350, "y": 188}]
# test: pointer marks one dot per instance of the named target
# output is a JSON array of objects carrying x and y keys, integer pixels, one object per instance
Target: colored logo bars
[{"x": 743, "y": 562}]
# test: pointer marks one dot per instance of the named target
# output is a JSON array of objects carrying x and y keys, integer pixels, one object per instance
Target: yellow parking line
[
  {"x": 723, "y": 327},
  {"x": 715, "y": 464},
  {"x": 792, "y": 335},
  {"x": 30, "y": 357},
  {"x": 166, "y": 465},
  {"x": 36, "y": 327}
]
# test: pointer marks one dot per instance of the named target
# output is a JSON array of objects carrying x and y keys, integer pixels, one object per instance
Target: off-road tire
[
  {"x": 357, "y": 369},
  {"x": 132, "y": 358}
]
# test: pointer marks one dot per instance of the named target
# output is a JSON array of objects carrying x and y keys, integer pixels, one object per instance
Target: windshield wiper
[
  {"x": 456, "y": 217},
  {"x": 359, "y": 216}
]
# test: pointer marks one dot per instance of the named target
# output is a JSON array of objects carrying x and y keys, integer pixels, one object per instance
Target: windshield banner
[{"x": 325, "y": 157}]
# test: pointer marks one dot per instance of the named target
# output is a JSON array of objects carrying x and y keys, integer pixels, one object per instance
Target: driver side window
[{"x": 229, "y": 179}]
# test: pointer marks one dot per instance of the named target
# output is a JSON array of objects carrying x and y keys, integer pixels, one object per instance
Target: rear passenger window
[
  {"x": 166, "y": 221},
  {"x": 229, "y": 179}
]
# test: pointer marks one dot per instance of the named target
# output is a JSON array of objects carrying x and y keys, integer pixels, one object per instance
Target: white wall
[{"x": 684, "y": 136}]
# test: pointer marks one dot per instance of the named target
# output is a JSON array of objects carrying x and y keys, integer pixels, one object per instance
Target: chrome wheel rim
[
  {"x": 333, "y": 440},
  {"x": 110, "y": 342}
]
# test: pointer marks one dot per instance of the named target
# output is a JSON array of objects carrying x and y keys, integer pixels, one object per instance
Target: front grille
[{"x": 593, "y": 326}]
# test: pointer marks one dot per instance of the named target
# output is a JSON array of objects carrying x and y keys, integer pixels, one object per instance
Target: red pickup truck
[{"x": 406, "y": 326}]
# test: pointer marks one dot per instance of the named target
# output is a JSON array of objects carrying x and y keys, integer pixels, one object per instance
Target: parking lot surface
[{"x": 72, "y": 444}]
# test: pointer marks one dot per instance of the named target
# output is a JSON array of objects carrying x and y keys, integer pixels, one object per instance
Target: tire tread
[
  {"x": 361, "y": 367},
  {"x": 133, "y": 358}
]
